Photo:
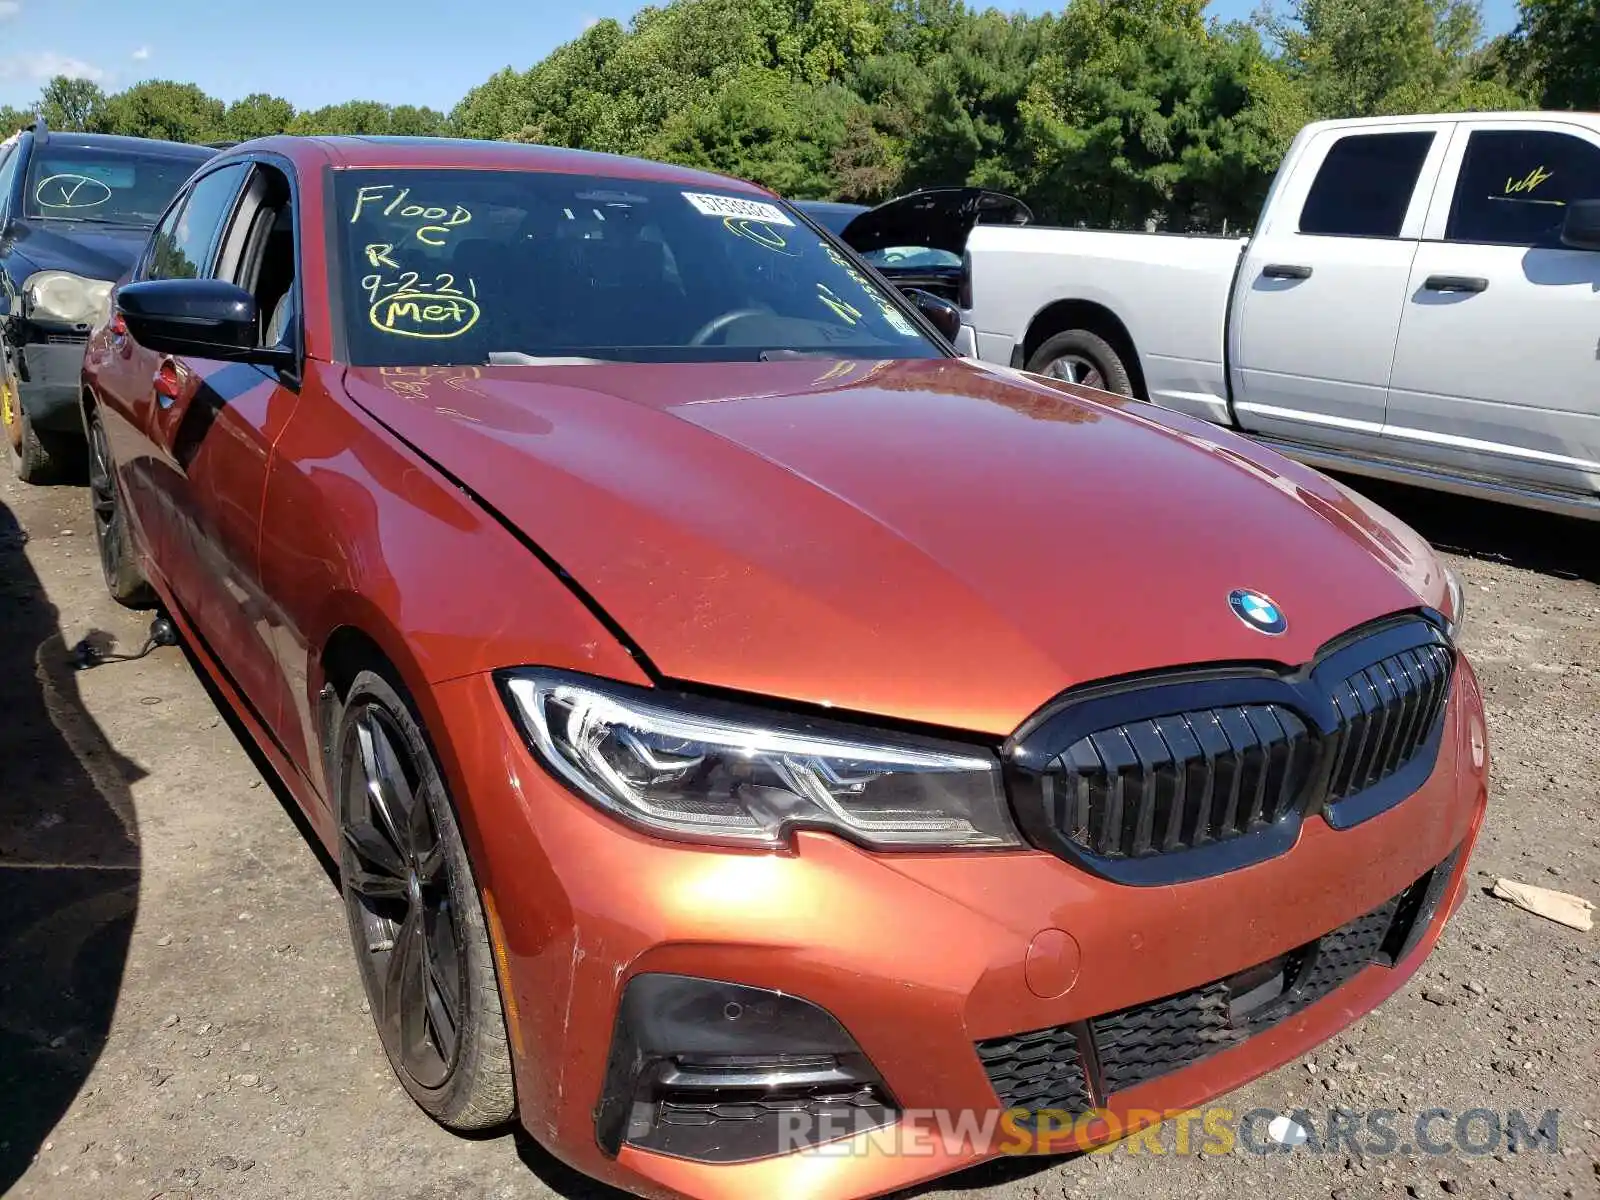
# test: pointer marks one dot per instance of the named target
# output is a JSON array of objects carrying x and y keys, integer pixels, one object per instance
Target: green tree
[
  {"x": 1359, "y": 58},
  {"x": 353, "y": 116},
  {"x": 178, "y": 112},
  {"x": 1142, "y": 115},
  {"x": 13, "y": 119},
  {"x": 72, "y": 103},
  {"x": 408, "y": 120},
  {"x": 258, "y": 115},
  {"x": 1556, "y": 49}
]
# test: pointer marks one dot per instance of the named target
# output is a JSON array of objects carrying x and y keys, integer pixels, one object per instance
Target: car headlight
[
  {"x": 70, "y": 299},
  {"x": 709, "y": 771},
  {"x": 1455, "y": 601}
]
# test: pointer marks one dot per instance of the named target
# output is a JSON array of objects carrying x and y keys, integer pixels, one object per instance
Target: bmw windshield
[{"x": 442, "y": 267}]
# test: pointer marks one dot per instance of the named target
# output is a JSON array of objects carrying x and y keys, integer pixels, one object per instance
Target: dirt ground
[{"x": 180, "y": 1015}]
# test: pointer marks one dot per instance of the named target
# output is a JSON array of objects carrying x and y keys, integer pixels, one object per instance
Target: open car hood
[{"x": 938, "y": 218}]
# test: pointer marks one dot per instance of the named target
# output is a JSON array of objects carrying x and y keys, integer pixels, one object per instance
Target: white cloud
[
  {"x": 9, "y": 8},
  {"x": 45, "y": 66},
  {"x": 139, "y": 55},
  {"x": 588, "y": 22}
]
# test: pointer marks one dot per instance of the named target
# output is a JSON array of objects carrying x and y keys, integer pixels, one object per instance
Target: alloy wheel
[
  {"x": 1074, "y": 368},
  {"x": 108, "y": 529},
  {"x": 399, "y": 889}
]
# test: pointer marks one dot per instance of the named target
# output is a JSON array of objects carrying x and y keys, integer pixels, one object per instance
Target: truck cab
[{"x": 1417, "y": 302}]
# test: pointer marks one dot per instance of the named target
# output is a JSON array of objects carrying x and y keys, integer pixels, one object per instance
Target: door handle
[
  {"x": 1455, "y": 283},
  {"x": 1285, "y": 271}
]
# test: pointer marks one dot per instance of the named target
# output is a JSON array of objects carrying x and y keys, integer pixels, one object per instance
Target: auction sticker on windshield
[{"x": 713, "y": 205}]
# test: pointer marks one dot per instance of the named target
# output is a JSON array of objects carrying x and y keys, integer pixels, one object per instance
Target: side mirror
[
  {"x": 205, "y": 318},
  {"x": 1581, "y": 229},
  {"x": 941, "y": 314}
]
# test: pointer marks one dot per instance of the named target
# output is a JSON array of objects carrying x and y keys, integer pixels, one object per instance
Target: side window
[
  {"x": 1364, "y": 186},
  {"x": 181, "y": 248},
  {"x": 1515, "y": 185},
  {"x": 259, "y": 252},
  {"x": 10, "y": 157}
]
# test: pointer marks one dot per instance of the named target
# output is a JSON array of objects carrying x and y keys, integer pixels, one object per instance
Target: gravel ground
[{"x": 180, "y": 1016}]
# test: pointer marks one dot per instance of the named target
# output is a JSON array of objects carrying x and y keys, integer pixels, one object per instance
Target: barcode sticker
[{"x": 712, "y": 205}]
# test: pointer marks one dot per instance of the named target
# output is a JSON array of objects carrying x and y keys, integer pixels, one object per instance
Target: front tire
[
  {"x": 1087, "y": 359},
  {"x": 415, "y": 919},
  {"x": 112, "y": 537},
  {"x": 35, "y": 457}
]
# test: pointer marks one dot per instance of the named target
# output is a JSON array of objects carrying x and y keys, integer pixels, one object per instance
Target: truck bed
[{"x": 1170, "y": 291}]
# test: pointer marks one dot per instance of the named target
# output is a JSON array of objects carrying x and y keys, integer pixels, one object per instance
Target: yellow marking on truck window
[{"x": 1528, "y": 182}]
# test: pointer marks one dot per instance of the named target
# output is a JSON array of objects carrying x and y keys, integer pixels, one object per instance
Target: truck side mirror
[{"x": 1581, "y": 229}]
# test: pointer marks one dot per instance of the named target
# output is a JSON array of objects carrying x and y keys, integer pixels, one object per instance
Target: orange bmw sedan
[{"x": 767, "y": 754}]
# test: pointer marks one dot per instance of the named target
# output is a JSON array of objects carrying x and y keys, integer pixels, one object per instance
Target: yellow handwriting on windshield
[
  {"x": 847, "y": 312},
  {"x": 424, "y": 315},
  {"x": 759, "y": 232},
  {"x": 433, "y": 222},
  {"x": 1528, "y": 182}
]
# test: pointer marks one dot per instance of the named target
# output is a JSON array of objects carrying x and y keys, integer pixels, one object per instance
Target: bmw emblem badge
[{"x": 1257, "y": 611}]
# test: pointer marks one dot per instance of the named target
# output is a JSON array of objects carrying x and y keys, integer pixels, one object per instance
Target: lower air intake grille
[
  {"x": 1046, "y": 1068},
  {"x": 1037, "y": 1070}
]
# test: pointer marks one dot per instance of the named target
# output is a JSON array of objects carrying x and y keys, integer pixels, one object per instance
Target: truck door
[
  {"x": 1319, "y": 294},
  {"x": 1497, "y": 370}
]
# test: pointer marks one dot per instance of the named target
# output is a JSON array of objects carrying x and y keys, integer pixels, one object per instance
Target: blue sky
[{"x": 316, "y": 52}]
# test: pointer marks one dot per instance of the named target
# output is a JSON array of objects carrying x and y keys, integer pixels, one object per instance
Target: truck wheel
[
  {"x": 1084, "y": 358},
  {"x": 36, "y": 458}
]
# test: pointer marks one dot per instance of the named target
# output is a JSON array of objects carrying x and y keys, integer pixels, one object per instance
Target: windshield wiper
[
  {"x": 516, "y": 358},
  {"x": 785, "y": 355}
]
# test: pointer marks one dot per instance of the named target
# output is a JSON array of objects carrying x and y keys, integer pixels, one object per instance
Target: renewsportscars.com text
[{"x": 1216, "y": 1130}]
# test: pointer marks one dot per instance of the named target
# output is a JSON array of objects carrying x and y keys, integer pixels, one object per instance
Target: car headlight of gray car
[{"x": 68, "y": 299}]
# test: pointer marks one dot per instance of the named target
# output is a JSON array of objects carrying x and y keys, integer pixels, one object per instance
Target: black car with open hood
[{"x": 918, "y": 240}]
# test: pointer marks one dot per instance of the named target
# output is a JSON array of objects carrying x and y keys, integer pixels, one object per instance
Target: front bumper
[
  {"x": 50, "y": 380},
  {"x": 918, "y": 956}
]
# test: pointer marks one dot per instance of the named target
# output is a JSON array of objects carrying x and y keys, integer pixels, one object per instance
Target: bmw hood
[
  {"x": 94, "y": 251},
  {"x": 939, "y": 218},
  {"x": 935, "y": 541}
]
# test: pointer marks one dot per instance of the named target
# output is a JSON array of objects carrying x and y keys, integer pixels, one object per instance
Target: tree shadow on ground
[{"x": 69, "y": 868}]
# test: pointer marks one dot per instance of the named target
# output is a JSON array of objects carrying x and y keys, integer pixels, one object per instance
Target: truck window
[
  {"x": 1515, "y": 184},
  {"x": 1364, "y": 185}
]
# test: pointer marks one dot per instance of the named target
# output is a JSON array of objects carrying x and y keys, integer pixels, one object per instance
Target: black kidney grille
[
  {"x": 1386, "y": 713},
  {"x": 1175, "y": 782},
  {"x": 1037, "y": 1070}
]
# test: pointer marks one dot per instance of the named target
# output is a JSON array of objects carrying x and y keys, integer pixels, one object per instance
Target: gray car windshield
[
  {"x": 441, "y": 267},
  {"x": 108, "y": 185}
]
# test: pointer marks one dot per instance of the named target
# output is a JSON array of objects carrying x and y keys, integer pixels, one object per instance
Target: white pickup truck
[{"x": 1420, "y": 301}]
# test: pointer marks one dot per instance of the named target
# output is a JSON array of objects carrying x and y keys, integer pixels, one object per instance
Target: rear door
[
  {"x": 1497, "y": 371},
  {"x": 1318, "y": 298}
]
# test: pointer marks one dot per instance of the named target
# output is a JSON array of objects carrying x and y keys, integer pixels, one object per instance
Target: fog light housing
[{"x": 721, "y": 1072}]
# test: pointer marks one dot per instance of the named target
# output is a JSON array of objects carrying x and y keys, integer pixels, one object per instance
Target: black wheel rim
[
  {"x": 103, "y": 498},
  {"x": 398, "y": 886},
  {"x": 1076, "y": 369}
]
